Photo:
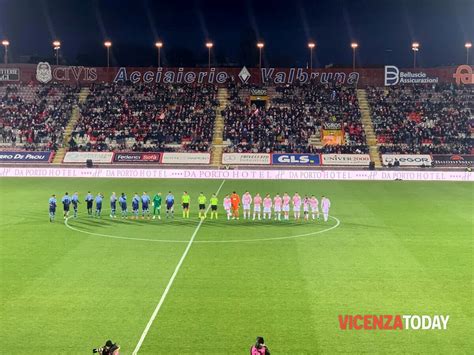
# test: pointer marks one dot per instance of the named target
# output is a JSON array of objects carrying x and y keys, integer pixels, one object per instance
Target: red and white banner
[
  {"x": 407, "y": 159},
  {"x": 346, "y": 159},
  {"x": 246, "y": 159},
  {"x": 134, "y": 157},
  {"x": 186, "y": 158},
  {"x": 82, "y": 157},
  {"x": 212, "y": 174}
]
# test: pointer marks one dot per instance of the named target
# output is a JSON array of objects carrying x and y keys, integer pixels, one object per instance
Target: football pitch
[{"x": 187, "y": 286}]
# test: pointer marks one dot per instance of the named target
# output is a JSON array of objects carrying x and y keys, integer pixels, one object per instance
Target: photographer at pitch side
[{"x": 110, "y": 348}]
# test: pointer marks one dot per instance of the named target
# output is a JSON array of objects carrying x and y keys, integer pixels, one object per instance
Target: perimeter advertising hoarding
[
  {"x": 234, "y": 174},
  {"x": 185, "y": 158},
  {"x": 44, "y": 72},
  {"x": 82, "y": 157},
  {"x": 246, "y": 159},
  {"x": 345, "y": 159},
  {"x": 25, "y": 157},
  {"x": 134, "y": 157},
  {"x": 407, "y": 159},
  {"x": 454, "y": 160},
  {"x": 296, "y": 159}
]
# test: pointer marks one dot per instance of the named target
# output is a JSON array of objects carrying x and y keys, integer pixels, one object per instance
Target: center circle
[{"x": 111, "y": 236}]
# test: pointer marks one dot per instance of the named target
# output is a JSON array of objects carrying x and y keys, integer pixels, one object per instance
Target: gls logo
[
  {"x": 392, "y": 75},
  {"x": 303, "y": 159},
  {"x": 296, "y": 159}
]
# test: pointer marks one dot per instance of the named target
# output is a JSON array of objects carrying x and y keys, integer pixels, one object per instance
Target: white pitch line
[
  {"x": 170, "y": 282},
  {"x": 338, "y": 222}
]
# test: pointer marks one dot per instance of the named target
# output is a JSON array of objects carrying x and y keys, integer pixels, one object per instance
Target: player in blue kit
[
  {"x": 66, "y": 200},
  {"x": 145, "y": 205},
  {"x": 169, "y": 205},
  {"x": 123, "y": 205},
  {"x": 89, "y": 201},
  {"x": 75, "y": 202},
  {"x": 98, "y": 204},
  {"x": 113, "y": 205},
  {"x": 52, "y": 208},
  {"x": 135, "y": 206}
]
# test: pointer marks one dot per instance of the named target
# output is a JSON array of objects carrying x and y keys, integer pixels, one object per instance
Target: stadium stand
[
  {"x": 33, "y": 117},
  {"x": 146, "y": 118},
  {"x": 422, "y": 119},
  {"x": 293, "y": 119}
]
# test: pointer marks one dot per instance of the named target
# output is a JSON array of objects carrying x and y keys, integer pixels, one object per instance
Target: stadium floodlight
[
  {"x": 260, "y": 46},
  {"x": 209, "y": 45},
  {"x": 6, "y": 43},
  {"x": 107, "y": 45},
  {"x": 354, "y": 46},
  {"x": 56, "y": 47},
  {"x": 468, "y": 46},
  {"x": 159, "y": 45},
  {"x": 415, "y": 47},
  {"x": 311, "y": 46}
]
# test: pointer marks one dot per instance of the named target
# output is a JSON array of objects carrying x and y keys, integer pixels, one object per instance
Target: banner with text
[
  {"x": 186, "y": 158},
  {"x": 45, "y": 72},
  {"x": 211, "y": 174},
  {"x": 295, "y": 159},
  {"x": 25, "y": 157},
  {"x": 346, "y": 159},
  {"x": 82, "y": 157},
  {"x": 246, "y": 159},
  {"x": 9, "y": 74},
  {"x": 133, "y": 157},
  {"x": 407, "y": 159},
  {"x": 454, "y": 160}
]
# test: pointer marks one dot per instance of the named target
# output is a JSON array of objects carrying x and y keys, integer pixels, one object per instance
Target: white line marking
[
  {"x": 338, "y": 222},
  {"x": 170, "y": 282}
]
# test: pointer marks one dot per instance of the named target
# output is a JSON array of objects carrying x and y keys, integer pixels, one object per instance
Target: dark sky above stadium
[{"x": 384, "y": 30}]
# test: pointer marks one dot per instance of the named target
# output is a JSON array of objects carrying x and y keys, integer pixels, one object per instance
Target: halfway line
[{"x": 170, "y": 282}]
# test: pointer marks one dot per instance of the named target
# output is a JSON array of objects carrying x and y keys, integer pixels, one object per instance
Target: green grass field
[{"x": 400, "y": 248}]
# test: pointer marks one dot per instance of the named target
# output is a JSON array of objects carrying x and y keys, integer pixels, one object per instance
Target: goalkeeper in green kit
[{"x": 157, "y": 205}]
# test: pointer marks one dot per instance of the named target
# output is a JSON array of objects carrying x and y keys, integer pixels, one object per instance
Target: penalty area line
[{"x": 170, "y": 282}]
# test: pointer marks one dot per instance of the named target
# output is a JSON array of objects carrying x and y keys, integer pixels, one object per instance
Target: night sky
[{"x": 384, "y": 30}]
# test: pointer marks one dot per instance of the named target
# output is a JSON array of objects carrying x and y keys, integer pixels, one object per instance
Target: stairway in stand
[
  {"x": 75, "y": 115},
  {"x": 218, "y": 136},
  {"x": 368, "y": 127}
]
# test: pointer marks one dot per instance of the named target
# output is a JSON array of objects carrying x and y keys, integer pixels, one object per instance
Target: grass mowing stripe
[{"x": 170, "y": 282}]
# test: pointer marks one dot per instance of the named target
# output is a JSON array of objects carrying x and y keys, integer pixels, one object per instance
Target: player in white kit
[
  {"x": 296, "y": 200},
  {"x": 267, "y": 207},
  {"x": 306, "y": 207},
  {"x": 246, "y": 202},
  {"x": 257, "y": 203},
  {"x": 286, "y": 206},
  {"x": 314, "y": 203},
  {"x": 227, "y": 205},
  {"x": 277, "y": 202},
  {"x": 325, "y": 206}
]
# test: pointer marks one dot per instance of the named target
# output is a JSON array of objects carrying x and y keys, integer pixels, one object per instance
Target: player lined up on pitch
[{"x": 266, "y": 208}]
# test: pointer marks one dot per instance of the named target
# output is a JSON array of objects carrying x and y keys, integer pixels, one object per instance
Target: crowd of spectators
[
  {"x": 142, "y": 117},
  {"x": 34, "y": 117},
  {"x": 295, "y": 114},
  {"x": 422, "y": 119}
]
